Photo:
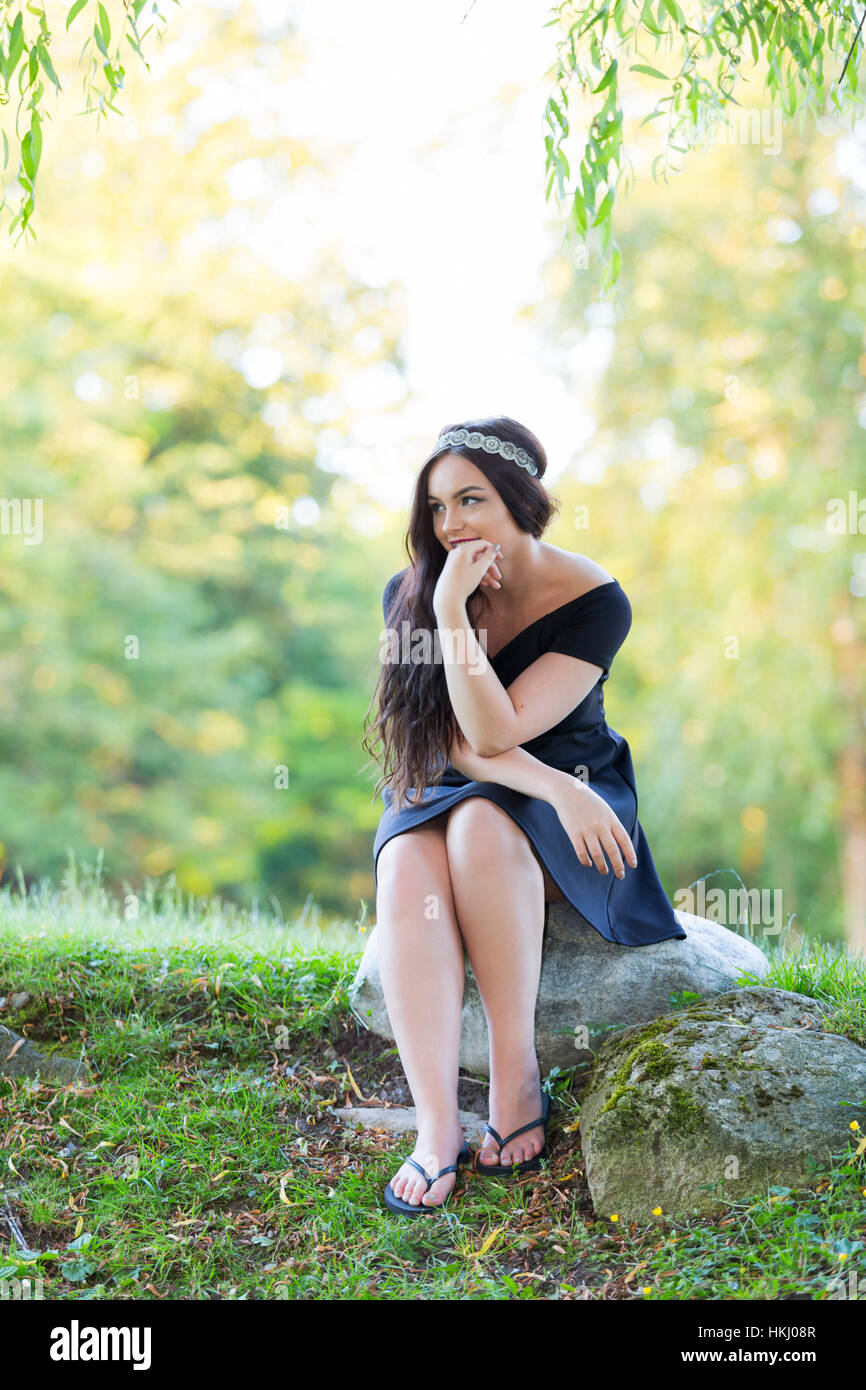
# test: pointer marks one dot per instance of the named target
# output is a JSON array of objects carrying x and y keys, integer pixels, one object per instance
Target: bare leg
[
  {"x": 498, "y": 888},
  {"x": 421, "y": 965}
]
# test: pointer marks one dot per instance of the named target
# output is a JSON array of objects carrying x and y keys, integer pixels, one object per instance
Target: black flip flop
[
  {"x": 397, "y": 1204},
  {"x": 529, "y": 1165}
]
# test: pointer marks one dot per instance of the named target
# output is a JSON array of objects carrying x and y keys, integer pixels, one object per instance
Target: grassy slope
[{"x": 202, "y": 1161}]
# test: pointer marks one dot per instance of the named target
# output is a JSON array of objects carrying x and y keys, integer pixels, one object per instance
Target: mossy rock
[{"x": 715, "y": 1102}]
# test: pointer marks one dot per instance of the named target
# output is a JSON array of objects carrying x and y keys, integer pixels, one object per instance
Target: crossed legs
[{"x": 468, "y": 876}]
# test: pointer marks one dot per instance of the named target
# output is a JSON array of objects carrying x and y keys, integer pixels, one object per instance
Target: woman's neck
[{"x": 528, "y": 570}]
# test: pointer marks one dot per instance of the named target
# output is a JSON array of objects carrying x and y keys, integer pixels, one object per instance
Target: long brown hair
[{"x": 414, "y": 718}]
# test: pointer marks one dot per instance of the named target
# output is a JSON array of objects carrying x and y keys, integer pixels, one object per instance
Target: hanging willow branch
[
  {"x": 25, "y": 60},
  {"x": 705, "y": 53}
]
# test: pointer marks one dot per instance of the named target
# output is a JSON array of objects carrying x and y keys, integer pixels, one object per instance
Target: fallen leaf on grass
[
  {"x": 487, "y": 1243},
  {"x": 355, "y": 1086}
]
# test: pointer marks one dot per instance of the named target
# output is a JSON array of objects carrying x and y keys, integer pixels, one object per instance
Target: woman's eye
[{"x": 435, "y": 506}]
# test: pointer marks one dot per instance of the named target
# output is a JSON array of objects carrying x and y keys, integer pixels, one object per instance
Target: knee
[
  {"x": 407, "y": 860},
  {"x": 479, "y": 832}
]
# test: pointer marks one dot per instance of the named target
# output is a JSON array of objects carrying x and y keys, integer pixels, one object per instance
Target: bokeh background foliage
[{"x": 166, "y": 389}]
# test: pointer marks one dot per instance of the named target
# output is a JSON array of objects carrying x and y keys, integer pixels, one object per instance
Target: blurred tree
[
  {"x": 730, "y": 429},
  {"x": 175, "y": 362}
]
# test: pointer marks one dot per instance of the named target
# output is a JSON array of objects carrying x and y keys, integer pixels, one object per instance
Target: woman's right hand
[{"x": 592, "y": 826}]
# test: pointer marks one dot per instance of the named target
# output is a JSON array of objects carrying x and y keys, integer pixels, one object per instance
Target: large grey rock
[
  {"x": 587, "y": 987},
  {"x": 27, "y": 1060},
  {"x": 717, "y": 1102}
]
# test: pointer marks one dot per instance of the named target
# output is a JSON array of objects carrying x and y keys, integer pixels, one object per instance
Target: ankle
[
  {"x": 516, "y": 1074},
  {"x": 438, "y": 1125}
]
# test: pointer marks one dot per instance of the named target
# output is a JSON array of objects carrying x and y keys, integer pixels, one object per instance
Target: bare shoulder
[{"x": 578, "y": 573}]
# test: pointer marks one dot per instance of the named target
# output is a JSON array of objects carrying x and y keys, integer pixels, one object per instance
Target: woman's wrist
[
  {"x": 450, "y": 612},
  {"x": 562, "y": 787}
]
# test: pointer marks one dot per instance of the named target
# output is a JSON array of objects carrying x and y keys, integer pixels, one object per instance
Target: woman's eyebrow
[{"x": 474, "y": 488}]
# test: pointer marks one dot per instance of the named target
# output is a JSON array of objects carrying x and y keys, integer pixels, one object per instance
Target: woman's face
[{"x": 464, "y": 505}]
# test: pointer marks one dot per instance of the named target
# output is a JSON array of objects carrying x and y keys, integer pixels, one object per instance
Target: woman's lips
[{"x": 463, "y": 540}]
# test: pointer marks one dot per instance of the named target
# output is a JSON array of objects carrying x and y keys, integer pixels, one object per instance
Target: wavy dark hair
[{"x": 414, "y": 719}]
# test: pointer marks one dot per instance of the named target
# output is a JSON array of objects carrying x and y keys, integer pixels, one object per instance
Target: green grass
[{"x": 202, "y": 1161}]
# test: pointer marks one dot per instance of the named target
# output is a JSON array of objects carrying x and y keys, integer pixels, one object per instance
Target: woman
[{"x": 506, "y": 788}]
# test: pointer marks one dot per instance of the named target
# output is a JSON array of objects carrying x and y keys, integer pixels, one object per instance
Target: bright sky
[
  {"x": 444, "y": 192},
  {"x": 429, "y": 122}
]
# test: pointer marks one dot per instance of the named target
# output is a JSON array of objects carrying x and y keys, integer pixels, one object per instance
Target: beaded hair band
[{"x": 491, "y": 444}]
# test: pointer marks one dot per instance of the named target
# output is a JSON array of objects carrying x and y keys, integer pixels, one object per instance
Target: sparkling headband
[{"x": 491, "y": 444}]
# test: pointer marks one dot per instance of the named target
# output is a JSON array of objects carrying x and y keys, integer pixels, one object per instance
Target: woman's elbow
[{"x": 491, "y": 748}]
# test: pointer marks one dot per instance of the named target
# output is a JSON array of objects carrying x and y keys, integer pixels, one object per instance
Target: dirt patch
[{"x": 377, "y": 1069}]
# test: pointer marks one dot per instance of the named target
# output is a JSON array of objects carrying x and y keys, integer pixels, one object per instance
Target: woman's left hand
[{"x": 466, "y": 567}]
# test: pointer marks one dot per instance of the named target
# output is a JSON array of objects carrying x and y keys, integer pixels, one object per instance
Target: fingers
[
  {"x": 613, "y": 854},
  {"x": 609, "y": 839},
  {"x": 624, "y": 839},
  {"x": 583, "y": 856},
  {"x": 593, "y": 846},
  {"x": 598, "y": 831},
  {"x": 480, "y": 550}
]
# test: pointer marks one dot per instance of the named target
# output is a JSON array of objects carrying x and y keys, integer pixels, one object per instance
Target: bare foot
[
  {"x": 514, "y": 1101},
  {"x": 437, "y": 1147}
]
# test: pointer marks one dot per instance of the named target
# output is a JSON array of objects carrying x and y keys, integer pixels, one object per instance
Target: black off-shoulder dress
[{"x": 632, "y": 911}]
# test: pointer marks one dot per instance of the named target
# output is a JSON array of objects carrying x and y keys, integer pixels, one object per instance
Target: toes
[
  {"x": 438, "y": 1192},
  {"x": 404, "y": 1188}
]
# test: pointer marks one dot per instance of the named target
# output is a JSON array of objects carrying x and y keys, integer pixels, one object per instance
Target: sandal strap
[
  {"x": 523, "y": 1128},
  {"x": 423, "y": 1171},
  {"x": 496, "y": 1135}
]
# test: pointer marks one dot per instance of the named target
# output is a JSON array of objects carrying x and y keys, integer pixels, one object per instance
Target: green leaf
[
  {"x": 100, "y": 42},
  {"x": 604, "y": 209},
  {"x": 653, "y": 116},
  {"x": 16, "y": 44},
  {"x": 33, "y": 65},
  {"x": 650, "y": 72},
  {"x": 612, "y": 269},
  {"x": 27, "y": 155},
  {"x": 114, "y": 74},
  {"x": 608, "y": 77},
  {"x": 74, "y": 10},
  {"x": 104, "y": 23},
  {"x": 47, "y": 64},
  {"x": 560, "y": 117},
  {"x": 672, "y": 11},
  {"x": 36, "y": 140}
]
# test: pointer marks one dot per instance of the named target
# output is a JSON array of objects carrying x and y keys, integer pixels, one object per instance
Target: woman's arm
[
  {"x": 493, "y": 719},
  {"x": 592, "y": 826},
  {"x": 516, "y": 769},
  {"x": 481, "y": 704}
]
